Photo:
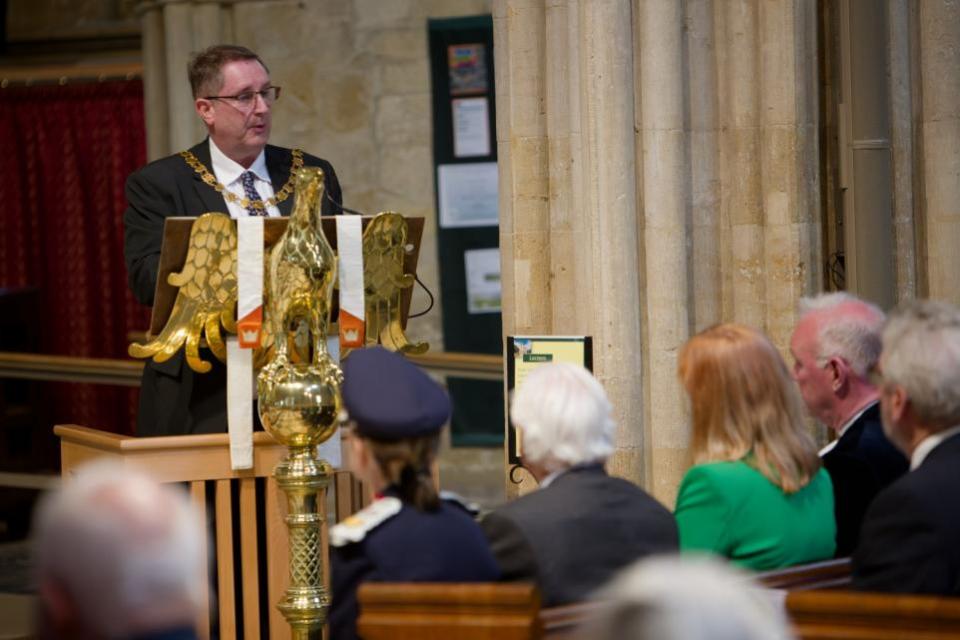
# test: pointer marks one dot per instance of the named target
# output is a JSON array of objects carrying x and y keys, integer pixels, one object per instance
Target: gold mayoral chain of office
[{"x": 259, "y": 205}]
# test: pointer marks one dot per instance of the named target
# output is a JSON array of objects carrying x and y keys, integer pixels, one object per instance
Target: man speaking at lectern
[{"x": 233, "y": 171}]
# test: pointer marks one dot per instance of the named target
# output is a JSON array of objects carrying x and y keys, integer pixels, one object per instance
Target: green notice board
[{"x": 465, "y": 157}]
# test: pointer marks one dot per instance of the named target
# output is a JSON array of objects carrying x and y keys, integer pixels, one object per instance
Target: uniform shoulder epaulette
[
  {"x": 357, "y": 526},
  {"x": 470, "y": 507}
]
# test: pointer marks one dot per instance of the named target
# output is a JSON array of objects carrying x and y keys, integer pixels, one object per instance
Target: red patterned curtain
[{"x": 67, "y": 151}]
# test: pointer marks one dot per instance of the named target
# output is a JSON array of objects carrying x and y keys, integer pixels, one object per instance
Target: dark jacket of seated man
[
  {"x": 861, "y": 464},
  {"x": 910, "y": 541},
  {"x": 573, "y": 535}
]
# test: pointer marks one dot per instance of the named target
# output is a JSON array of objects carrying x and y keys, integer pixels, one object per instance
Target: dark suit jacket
[
  {"x": 574, "y": 535},
  {"x": 173, "y": 398},
  {"x": 909, "y": 541},
  {"x": 861, "y": 464}
]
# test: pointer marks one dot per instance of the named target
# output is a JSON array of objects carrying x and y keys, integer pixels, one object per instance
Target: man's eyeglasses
[{"x": 247, "y": 99}]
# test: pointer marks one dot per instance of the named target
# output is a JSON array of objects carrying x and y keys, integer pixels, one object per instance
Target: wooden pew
[
  {"x": 440, "y": 611},
  {"x": 510, "y": 611},
  {"x": 848, "y": 615},
  {"x": 828, "y": 574},
  {"x": 395, "y": 610}
]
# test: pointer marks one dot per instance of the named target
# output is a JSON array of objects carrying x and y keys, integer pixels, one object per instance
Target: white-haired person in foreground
[
  {"x": 688, "y": 598},
  {"x": 118, "y": 555},
  {"x": 581, "y": 526},
  {"x": 910, "y": 541}
]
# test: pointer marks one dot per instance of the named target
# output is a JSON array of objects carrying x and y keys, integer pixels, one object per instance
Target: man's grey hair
[
  {"x": 563, "y": 415},
  {"x": 921, "y": 353},
  {"x": 123, "y": 547},
  {"x": 688, "y": 598},
  {"x": 848, "y": 327}
]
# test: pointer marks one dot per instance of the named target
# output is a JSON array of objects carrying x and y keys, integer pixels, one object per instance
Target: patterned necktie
[{"x": 250, "y": 191}]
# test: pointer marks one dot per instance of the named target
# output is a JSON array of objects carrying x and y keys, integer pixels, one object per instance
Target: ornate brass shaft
[{"x": 299, "y": 394}]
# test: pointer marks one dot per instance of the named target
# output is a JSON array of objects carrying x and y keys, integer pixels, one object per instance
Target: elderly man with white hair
[
  {"x": 835, "y": 343},
  {"x": 118, "y": 556},
  {"x": 910, "y": 542},
  {"x": 581, "y": 526}
]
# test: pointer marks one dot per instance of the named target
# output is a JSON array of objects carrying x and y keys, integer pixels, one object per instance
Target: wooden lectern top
[{"x": 176, "y": 242}]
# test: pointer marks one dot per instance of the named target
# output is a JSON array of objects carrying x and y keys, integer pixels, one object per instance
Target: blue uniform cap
[{"x": 391, "y": 398}]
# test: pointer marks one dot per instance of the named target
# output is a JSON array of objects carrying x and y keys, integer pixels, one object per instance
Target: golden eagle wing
[{"x": 206, "y": 298}]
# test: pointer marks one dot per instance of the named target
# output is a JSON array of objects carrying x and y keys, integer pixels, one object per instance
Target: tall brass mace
[{"x": 299, "y": 394}]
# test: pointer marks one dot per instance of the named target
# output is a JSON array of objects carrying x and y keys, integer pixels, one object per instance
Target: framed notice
[
  {"x": 467, "y": 65},
  {"x": 526, "y": 353}
]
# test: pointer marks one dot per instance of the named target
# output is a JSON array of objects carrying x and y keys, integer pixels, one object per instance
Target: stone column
[
  {"x": 519, "y": 32},
  {"x": 769, "y": 158},
  {"x": 741, "y": 201},
  {"x": 570, "y": 303},
  {"x": 519, "y": 36},
  {"x": 705, "y": 214},
  {"x": 790, "y": 187},
  {"x": 703, "y": 156},
  {"x": 608, "y": 158},
  {"x": 665, "y": 173},
  {"x": 939, "y": 41},
  {"x": 902, "y": 83},
  {"x": 568, "y": 220}
]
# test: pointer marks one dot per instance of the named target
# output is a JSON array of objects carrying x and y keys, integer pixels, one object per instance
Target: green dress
[{"x": 731, "y": 509}]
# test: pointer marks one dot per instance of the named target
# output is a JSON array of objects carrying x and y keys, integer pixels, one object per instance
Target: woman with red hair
[{"x": 757, "y": 493}]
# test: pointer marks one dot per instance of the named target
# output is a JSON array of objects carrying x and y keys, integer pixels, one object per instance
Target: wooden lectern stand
[{"x": 249, "y": 548}]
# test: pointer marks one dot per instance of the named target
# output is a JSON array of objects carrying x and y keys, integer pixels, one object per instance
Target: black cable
[
  {"x": 429, "y": 293},
  {"x": 415, "y": 276},
  {"x": 340, "y": 206}
]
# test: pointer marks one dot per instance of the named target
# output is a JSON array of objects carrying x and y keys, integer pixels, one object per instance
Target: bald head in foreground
[
  {"x": 118, "y": 555},
  {"x": 688, "y": 598}
]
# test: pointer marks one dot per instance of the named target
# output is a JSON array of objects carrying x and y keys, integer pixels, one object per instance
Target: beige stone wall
[{"x": 646, "y": 196}]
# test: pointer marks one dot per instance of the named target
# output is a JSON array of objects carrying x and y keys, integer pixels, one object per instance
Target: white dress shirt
[
  {"x": 228, "y": 172},
  {"x": 846, "y": 426},
  {"x": 928, "y": 444}
]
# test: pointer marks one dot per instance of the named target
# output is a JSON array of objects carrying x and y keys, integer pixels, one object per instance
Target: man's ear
[
  {"x": 839, "y": 372},
  {"x": 204, "y": 109},
  {"x": 899, "y": 403}
]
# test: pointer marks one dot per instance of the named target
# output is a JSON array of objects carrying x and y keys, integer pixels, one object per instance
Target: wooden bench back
[
  {"x": 829, "y": 574},
  {"x": 439, "y": 611},
  {"x": 501, "y": 611},
  {"x": 847, "y": 615}
]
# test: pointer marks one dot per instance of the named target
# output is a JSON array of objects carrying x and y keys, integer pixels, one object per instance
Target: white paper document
[
  {"x": 471, "y": 128},
  {"x": 483, "y": 280},
  {"x": 468, "y": 195}
]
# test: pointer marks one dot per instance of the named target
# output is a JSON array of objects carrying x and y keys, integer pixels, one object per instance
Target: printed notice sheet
[
  {"x": 468, "y": 195},
  {"x": 483, "y": 280},
  {"x": 471, "y": 128},
  {"x": 525, "y": 354}
]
